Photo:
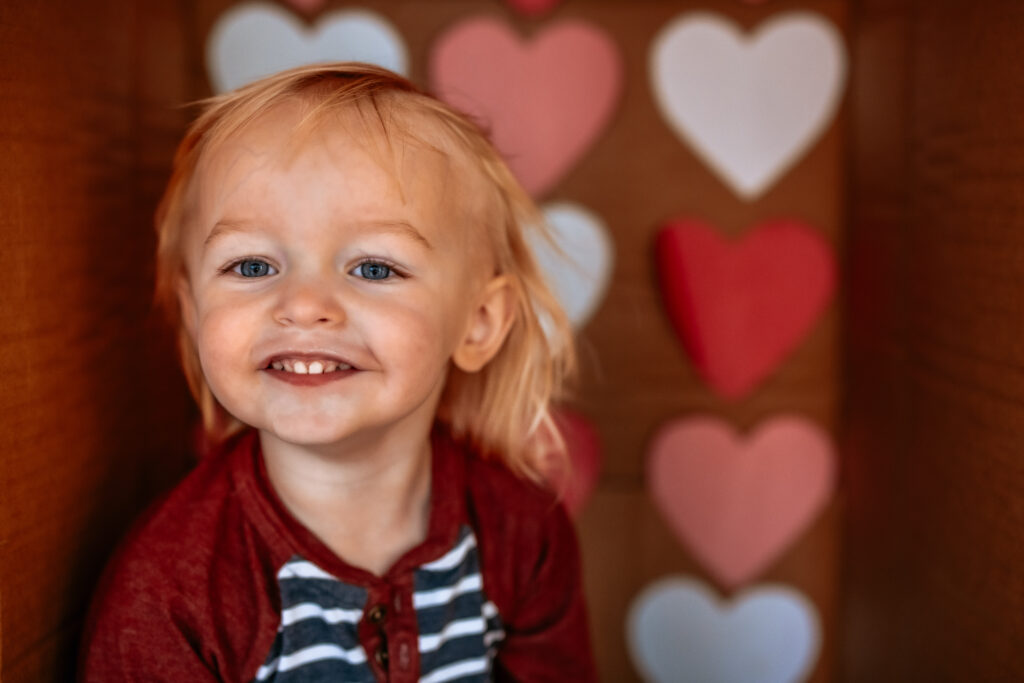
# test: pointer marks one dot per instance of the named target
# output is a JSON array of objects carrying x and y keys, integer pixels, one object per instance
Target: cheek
[
  {"x": 413, "y": 335},
  {"x": 221, "y": 339}
]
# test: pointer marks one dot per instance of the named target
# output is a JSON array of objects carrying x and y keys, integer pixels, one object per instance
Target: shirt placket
[{"x": 391, "y": 632}]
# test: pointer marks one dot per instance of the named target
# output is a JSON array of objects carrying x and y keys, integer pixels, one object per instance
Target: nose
[{"x": 310, "y": 302}]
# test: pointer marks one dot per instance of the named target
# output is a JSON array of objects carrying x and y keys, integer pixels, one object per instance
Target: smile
[{"x": 308, "y": 367}]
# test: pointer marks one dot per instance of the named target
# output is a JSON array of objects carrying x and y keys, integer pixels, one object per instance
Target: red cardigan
[{"x": 195, "y": 593}]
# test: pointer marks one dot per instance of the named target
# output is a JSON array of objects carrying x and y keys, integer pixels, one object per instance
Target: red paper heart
[
  {"x": 544, "y": 101},
  {"x": 533, "y": 8},
  {"x": 577, "y": 483},
  {"x": 738, "y": 503},
  {"x": 741, "y": 307}
]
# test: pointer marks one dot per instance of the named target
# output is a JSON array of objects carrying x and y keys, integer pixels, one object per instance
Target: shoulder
[
  {"x": 498, "y": 489},
  {"x": 514, "y": 513},
  {"x": 521, "y": 527},
  {"x": 179, "y": 566},
  {"x": 531, "y": 571},
  {"x": 181, "y": 528}
]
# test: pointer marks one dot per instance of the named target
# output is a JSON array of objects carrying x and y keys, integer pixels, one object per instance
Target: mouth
[{"x": 301, "y": 368}]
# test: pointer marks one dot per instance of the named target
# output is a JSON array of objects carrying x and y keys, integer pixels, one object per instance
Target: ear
[
  {"x": 488, "y": 325},
  {"x": 186, "y": 305}
]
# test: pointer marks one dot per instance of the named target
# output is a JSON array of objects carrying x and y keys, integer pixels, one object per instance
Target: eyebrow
[
  {"x": 400, "y": 227},
  {"x": 226, "y": 225},
  {"x": 397, "y": 226}
]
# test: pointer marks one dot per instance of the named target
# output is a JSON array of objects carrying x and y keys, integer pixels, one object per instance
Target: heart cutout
[
  {"x": 252, "y": 40},
  {"x": 749, "y": 106},
  {"x": 533, "y": 8},
  {"x": 578, "y": 266},
  {"x": 737, "y": 503},
  {"x": 545, "y": 101},
  {"x": 740, "y": 307},
  {"x": 576, "y": 482},
  {"x": 678, "y": 631}
]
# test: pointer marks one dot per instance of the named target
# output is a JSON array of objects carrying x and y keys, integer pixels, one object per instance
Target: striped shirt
[{"x": 318, "y": 640}]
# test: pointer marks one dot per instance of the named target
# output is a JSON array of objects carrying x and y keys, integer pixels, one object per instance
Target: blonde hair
[{"x": 504, "y": 410}]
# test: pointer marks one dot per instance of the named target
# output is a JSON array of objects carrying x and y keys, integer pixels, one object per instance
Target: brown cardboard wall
[
  {"x": 95, "y": 416},
  {"x": 93, "y": 411},
  {"x": 934, "y": 588}
]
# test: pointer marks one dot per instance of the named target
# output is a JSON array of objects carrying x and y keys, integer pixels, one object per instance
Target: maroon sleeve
[
  {"x": 134, "y": 633},
  {"x": 547, "y": 637},
  {"x": 189, "y": 594},
  {"x": 530, "y": 563}
]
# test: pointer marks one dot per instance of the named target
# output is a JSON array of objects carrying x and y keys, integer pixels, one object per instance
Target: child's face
[{"x": 317, "y": 258}]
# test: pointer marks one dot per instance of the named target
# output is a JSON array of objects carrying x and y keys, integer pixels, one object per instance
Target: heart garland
[
  {"x": 749, "y": 106},
  {"x": 545, "y": 101},
  {"x": 575, "y": 479},
  {"x": 678, "y": 631},
  {"x": 577, "y": 261},
  {"x": 254, "y": 39},
  {"x": 737, "y": 503},
  {"x": 740, "y": 307}
]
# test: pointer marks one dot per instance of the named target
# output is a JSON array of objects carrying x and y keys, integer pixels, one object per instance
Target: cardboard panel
[
  {"x": 93, "y": 410},
  {"x": 935, "y": 540}
]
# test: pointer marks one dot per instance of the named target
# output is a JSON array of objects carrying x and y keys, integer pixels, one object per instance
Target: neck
[{"x": 380, "y": 487}]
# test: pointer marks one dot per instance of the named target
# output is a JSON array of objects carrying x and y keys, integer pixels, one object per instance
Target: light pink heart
[
  {"x": 737, "y": 503},
  {"x": 545, "y": 101},
  {"x": 532, "y": 8}
]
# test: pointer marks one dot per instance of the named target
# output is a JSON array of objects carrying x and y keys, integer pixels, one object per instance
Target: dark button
[
  {"x": 377, "y": 614},
  {"x": 381, "y": 655}
]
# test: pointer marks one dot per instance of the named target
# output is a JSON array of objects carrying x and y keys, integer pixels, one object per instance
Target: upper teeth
[{"x": 316, "y": 367}]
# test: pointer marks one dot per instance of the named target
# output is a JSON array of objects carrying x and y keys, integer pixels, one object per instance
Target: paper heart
[
  {"x": 679, "y": 632},
  {"x": 578, "y": 266},
  {"x": 750, "y": 107},
  {"x": 544, "y": 101},
  {"x": 308, "y": 6},
  {"x": 532, "y": 8},
  {"x": 252, "y": 40},
  {"x": 740, "y": 307},
  {"x": 576, "y": 482},
  {"x": 735, "y": 502}
]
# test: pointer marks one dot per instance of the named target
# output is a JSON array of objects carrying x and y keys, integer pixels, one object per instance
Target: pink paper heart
[
  {"x": 735, "y": 502},
  {"x": 740, "y": 307},
  {"x": 576, "y": 483},
  {"x": 533, "y": 8},
  {"x": 544, "y": 101},
  {"x": 307, "y": 6}
]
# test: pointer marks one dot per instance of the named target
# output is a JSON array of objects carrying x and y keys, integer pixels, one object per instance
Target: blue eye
[
  {"x": 251, "y": 267},
  {"x": 372, "y": 270}
]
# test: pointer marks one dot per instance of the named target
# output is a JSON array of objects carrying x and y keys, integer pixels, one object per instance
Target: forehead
[{"x": 411, "y": 148}]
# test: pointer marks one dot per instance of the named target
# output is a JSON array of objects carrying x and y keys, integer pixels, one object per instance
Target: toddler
[{"x": 374, "y": 352}]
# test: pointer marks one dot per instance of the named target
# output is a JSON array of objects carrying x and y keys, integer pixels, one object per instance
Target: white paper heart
[
  {"x": 678, "y": 631},
  {"x": 749, "y": 106},
  {"x": 256, "y": 39},
  {"x": 578, "y": 275}
]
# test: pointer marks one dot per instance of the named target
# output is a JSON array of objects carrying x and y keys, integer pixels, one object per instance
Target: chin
[{"x": 308, "y": 434}]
